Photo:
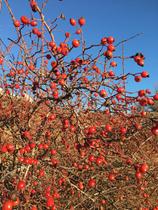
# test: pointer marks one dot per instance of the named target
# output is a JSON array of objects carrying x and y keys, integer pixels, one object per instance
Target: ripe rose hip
[
  {"x": 103, "y": 93},
  {"x": 155, "y": 97},
  {"x": 138, "y": 175},
  {"x": 81, "y": 21},
  {"x": 16, "y": 23},
  {"x": 75, "y": 43},
  {"x": 137, "y": 78},
  {"x": 144, "y": 74},
  {"x": 7, "y": 205},
  {"x": 144, "y": 168},
  {"x": 24, "y": 20},
  {"x": 110, "y": 40},
  {"x": 154, "y": 130},
  {"x": 111, "y": 177},
  {"x": 92, "y": 183},
  {"x": 92, "y": 130},
  {"x": 72, "y": 21},
  {"x": 1, "y": 60},
  {"x": 104, "y": 41},
  {"x": 21, "y": 185},
  {"x": 33, "y": 23}
]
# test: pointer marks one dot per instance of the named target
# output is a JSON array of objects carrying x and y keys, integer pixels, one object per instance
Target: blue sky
[{"x": 119, "y": 18}]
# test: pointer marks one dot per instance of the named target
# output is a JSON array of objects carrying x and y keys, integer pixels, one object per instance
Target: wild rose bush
[{"x": 72, "y": 135}]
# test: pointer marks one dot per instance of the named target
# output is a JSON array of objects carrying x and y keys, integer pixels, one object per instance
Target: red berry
[
  {"x": 138, "y": 175},
  {"x": 91, "y": 158},
  {"x": 1, "y": 60},
  {"x": 81, "y": 21},
  {"x": 120, "y": 90},
  {"x": 8, "y": 205},
  {"x": 92, "y": 183},
  {"x": 75, "y": 43},
  {"x": 67, "y": 34},
  {"x": 144, "y": 74},
  {"x": 110, "y": 40},
  {"x": 24, "y": 20},
  {"x": 103, "y": 93},
  {"x": 16, "y": 23},
  {"x": 21, "y": 185},
  {"x": 72, "y": 21},
  {"x": 156, "y": 97},
  {"x": 154, "y": 130},
  {"x": 92, "y": 130},
  {"x": 78, "y": 31},
  {"x": 111, "y": 47},
  {"x": 104, "y": 41},
  {"x": 111, "y": 177},
  {"x": 137, "y": 78},
  {"x": 144, "y": 168},
  {"x": 108, "y": 128},
  {"x": 33, "y": 23},
  {"x": 113, "y": 64}
]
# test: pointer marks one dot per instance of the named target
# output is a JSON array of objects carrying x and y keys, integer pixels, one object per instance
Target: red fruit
[
  {"x": 144, "y": 168},
  {"x": 144, "y": 74},
  {"x": 141, "y": 62},
  {"x": 78, "y": 31},
  {"x": 92, "y": 183},
  {"x": 138, "y": 126},
  {"x": 67, "y": 34},
  {"x": 8, "y": 205},
  {"x": 154, "y": 130},
  {"x": 72, "y": 21},
  {"x": 110, "y": 40},
  {"x": 141, "y": 93},
  {"x": 16, "y": 201},
  {"x": 108, "y": 54},
  {"x": 99, "y": 161},
  {"x": 111, "y": 73},
  {"x": 75, "y": 43},
  {"x": 4, "y": 148},
  {"x": 108, "y": 128},
  {"x": 123, "y": 130},
  {"x": 92, "y": 130},
  {"x": 138, "y": 175},
  {"x": 137, "y": 58},
  {"x": 80, "y": 185},
  {"x": 16, "y": 23},
  {"x": 50, "y": 202},
  {"x": 21, "y": 185},
  {"x": 137, "y": 78},
  {"x": 10, "y": 147},
  {"x": 35, "y": 31},
  {"x": 33, "y": 23},
  {"x": 103, "y": 93},
  {"x": 104, "y": 41},
  {"x": 1, "y": 61},
  {"x": 34, "y": 208},
  {"x": 52, "y": 44},
  {"x": 111, "y": 177},
  {"x": 33, "y": 5},
  {"x": 120, "y": 90},
  {"x": 81, "y": 21},
  {"x": 91, "y": 158},
  {"x": 24, "y": 20},
  {"x": 111, "y": 47},
  {"x": 113, "y": 64},
  {"x": 155, "y": 97}
]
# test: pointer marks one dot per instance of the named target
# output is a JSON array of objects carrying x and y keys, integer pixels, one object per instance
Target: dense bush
[{"x": 71, "y": 135}]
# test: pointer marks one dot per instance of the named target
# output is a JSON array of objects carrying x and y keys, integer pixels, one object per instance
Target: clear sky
[{"x": 119, "y": 18}]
